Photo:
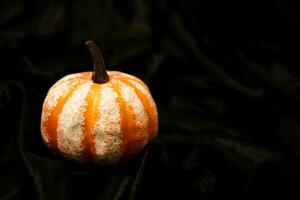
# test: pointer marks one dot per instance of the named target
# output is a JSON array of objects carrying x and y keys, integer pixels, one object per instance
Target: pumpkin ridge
[
  {"x": 134, "y": 142},
  {"x": 108, "y": 128},
  {"x": 71, "y": 123},
  {"x": 152, "y": 127},
  {"x": 120, "y": 75},
  {"x": 124, "y": 120},
  {"x": 51, "y": 123},
  {"x": 91, "y": 115}
]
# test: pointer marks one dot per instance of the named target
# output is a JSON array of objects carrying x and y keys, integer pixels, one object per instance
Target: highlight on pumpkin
[{"x": 103, "y": 123}]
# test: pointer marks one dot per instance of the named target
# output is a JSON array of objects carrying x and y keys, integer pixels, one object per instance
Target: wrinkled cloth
[{"x": 225, "y": 77}]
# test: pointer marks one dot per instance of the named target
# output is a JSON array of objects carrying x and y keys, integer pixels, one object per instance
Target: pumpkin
[{"x": 100, "y": 116}]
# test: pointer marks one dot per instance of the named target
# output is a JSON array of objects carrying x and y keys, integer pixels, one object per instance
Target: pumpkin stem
[{"x": 99, "y": 75}]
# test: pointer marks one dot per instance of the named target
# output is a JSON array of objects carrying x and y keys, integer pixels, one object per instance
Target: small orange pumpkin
[{"x": 101, "y": 116}]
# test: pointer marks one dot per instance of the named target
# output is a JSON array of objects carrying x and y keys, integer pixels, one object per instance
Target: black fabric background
[{"x": 225, "y": 77}]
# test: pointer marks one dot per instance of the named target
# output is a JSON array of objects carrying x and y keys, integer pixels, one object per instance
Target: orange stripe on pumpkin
[
  {"x": 121, "y": 75},
  {"x": 91, "y": 115},
  {"x": 128, "y": 126},
  {"x": 152, "y": 119},
  {"x": 51, "y": 123}
]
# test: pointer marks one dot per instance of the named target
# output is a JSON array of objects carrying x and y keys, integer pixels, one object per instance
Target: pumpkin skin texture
[{"x": 101, "y": 123}]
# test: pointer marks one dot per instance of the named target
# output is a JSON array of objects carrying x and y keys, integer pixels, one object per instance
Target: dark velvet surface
[{"x": 225, "y": 77}]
